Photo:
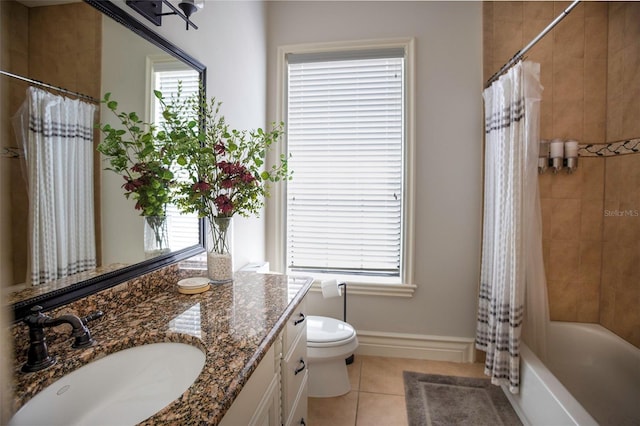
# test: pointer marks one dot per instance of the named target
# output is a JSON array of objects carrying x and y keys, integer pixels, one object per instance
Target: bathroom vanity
[
  {"x": 276, "y": 393},
  {"x": 252, "y": 332}
]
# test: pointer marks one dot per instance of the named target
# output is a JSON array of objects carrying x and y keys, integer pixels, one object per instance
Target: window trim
[
  {"x": 278, "y": 201},
  {"x": 153, "y": 62},
  {"x": 158, "y": 63}
]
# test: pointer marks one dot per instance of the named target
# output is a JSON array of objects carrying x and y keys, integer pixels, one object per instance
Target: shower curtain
[
  {"x": 57, "y": 136},
  {"x": 512, "y": 268}
]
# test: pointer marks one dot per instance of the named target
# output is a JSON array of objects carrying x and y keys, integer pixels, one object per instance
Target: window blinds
[
  {"x": 345, "y": 135},
  {"x": 183, "y": 228},
  {"x": 166, "y": 77}
]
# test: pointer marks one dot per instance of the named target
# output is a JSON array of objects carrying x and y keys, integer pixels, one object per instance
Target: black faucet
[{"x": 38, "y": 357}]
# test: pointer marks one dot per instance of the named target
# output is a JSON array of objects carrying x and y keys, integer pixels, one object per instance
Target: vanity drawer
[
  {"x": 298, "y": 416},
  {"x": 295, "y": 325},
  {"x": 294, "y": 372}
]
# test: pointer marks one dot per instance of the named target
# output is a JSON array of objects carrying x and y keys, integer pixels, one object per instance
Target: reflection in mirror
[
  {"x": 76, "y": 47},
  {"x": 35, "y": 51},
  {"x": 132, "y": 87}
]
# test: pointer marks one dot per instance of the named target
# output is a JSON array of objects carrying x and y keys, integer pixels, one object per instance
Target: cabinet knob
[
  {"x": 300, "y": 369},
  {"x": 300, "y": 319}
]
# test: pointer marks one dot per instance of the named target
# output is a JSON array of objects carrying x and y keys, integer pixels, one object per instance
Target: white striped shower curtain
[
  {"x": 57, "y": 135},
  {"x": 511, "y": 250}
]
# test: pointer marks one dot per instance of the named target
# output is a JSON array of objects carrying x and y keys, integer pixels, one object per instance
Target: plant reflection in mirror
[
  {"x": 135, "y": 153},
  {"x": 156, "y": 236}
]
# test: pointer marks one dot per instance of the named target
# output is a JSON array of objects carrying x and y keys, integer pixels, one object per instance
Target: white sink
[{"x": 123, "y": 388}]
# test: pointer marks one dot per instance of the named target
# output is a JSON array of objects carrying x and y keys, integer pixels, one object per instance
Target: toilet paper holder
[
  {"x": 351, "y": 358},
  {"x": 344, "y": 300},
  {"x": 332, "y": 288}
]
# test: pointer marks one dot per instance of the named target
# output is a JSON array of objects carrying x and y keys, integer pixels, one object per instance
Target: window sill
[{"x": 389, "y": 290}]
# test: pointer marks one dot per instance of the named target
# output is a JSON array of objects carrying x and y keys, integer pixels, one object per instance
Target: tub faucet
[{"x": 38, "y": 357}]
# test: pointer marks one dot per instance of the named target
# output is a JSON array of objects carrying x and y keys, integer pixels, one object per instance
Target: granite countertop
[
  {"x": 233, "y": 324},
  {"x": 22, "y": 292}
]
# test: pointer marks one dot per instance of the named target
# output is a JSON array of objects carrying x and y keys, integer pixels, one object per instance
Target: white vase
[{"x": 219, "y": 250}]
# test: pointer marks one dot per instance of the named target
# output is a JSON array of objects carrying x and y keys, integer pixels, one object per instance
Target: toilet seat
[{"x": 325, "y": 332}]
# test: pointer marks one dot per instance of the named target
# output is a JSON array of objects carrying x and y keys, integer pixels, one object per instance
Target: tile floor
[{"x": 377, "y": 391}]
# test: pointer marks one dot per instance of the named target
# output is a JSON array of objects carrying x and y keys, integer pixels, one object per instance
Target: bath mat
[{"x": 434, "y": 400}]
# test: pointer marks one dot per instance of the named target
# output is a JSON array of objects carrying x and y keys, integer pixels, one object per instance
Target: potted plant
[
  {"x": 224, "y": 170},
  {"x": 135, "y": 153}
]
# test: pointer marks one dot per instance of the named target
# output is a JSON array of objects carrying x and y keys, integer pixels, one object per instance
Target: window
[
  {"x": 166, "y": 72},
  {"x": 347, "y": 206}
]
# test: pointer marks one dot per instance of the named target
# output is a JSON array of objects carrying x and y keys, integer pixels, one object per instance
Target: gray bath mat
[{"x": 434, "y": 400}]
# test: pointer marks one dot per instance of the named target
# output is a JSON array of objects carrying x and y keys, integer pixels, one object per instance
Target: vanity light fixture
[{"x": 152, "y": 10}]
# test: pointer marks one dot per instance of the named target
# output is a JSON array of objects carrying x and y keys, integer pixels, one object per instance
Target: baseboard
[{"x": 400, "y": 345}]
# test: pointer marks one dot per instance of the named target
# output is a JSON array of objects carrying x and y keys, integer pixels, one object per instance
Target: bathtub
[{"x": 591, "y": 377}]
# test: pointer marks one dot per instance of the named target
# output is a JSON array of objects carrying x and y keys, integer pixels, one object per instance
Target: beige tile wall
[
  {"x": 69, "y": 58},
  {"x": 590, "y": 70},
  {"x": 623, "y": 97},
  {"x": 572, "y": 240},
  {"x": 15, "y": 59},
  {"x": 35, "y": 46},
  {"x": 620, "y": 290},
  {"x": 620, "y": 284}
]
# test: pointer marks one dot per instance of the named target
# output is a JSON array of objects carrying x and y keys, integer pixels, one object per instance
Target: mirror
[{"x": 116, "y": 56}]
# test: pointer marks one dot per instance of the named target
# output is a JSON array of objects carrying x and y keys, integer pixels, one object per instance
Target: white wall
[
  {"x": 448, "y": 150},
  {"x": 124, "y": 76},
  {"x": 231, "y": 42}
]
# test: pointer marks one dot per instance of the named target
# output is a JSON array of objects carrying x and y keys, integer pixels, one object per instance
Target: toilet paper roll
[{"x": 330, "y": 289}]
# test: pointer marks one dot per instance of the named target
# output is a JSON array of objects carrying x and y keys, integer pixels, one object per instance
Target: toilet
[{"x": 329, "y": 343}]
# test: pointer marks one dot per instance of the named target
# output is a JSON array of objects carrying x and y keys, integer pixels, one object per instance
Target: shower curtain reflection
[{"x": 57, "y": 136}]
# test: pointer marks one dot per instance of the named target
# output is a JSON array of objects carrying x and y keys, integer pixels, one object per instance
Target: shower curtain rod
[
  {"x": 520, "y": 54},
  {"x": 49, "y": 86}
]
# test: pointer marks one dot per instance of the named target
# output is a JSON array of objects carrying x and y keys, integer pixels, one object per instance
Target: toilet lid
[{"x": 325, "y": 330}]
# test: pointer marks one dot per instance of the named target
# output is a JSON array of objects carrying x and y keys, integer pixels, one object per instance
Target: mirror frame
[{"x": 93, "y": 285}]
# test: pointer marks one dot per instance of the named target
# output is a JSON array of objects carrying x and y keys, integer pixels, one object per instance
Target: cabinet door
[
  {"x": 298, "y": 416},
  {"x": 294, "y": 371},
  {"x": 268, "y": 411},
  {"x": 258, "y": 401}
]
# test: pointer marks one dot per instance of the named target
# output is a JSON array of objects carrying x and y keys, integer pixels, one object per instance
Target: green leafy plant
[
  {"x": 135, "y": 153},
  {"x": 224, "y": 168}
]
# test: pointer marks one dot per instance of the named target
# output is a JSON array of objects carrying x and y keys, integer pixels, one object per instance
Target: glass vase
[
  {"x": 219, "y": 250},
  {"x": 156, "y": 236}
]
